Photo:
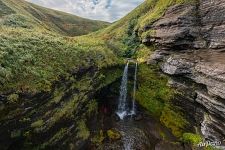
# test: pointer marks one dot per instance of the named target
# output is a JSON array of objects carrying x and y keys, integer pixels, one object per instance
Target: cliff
[{"x": 190, "y": 41}]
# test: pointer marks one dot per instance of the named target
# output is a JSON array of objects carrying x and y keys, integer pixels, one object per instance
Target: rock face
[
  {"x": 59, "y": 119},
  {"x": 191, "y": 42},
  {"x": 206, "y": 90},
  {"x": 199, "y": 25}
]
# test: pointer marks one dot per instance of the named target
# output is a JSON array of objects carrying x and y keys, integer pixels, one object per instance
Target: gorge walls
[{"x": 191, "y": 50}]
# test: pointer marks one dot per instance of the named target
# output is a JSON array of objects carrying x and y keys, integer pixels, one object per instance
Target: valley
[{"x": 152, "y": 80}]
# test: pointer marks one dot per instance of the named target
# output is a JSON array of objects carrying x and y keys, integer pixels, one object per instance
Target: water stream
[
  {"x": 133, "y": 111},
  {"x": 122, "y": 105},
  {"x": 137, "y": 128}
]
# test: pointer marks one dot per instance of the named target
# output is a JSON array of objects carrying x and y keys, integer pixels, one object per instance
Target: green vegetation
[
  {"x": 83, "y": 131},
  {"x": 113, "y": 134},
  {"x": 154, "y": 94},
  {"x": 37, "y": 124},
  {"x": 5, "y": 10},
  {"x": 27, "y": 14},
  {"x": 98, "y": 139},
  {"x": 32, "y": 61},
  {"x": 158, "y": 10},
  {"x": 191, "y": 138},
  {"x": 13, "y": 98},
  {"x": 173, "y": 120},
  {"x": 36, "y": 53}
]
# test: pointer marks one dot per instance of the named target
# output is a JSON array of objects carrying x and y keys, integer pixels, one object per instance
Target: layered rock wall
[{"x": 191, "y": 42}]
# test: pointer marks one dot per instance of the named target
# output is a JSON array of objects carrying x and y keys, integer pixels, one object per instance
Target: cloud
[{"x": 106, "y": 10}]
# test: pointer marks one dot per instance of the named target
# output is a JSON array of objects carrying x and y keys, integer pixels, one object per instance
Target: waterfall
[
  {"x": 133, "y": 111},
  {"x": 122, "y": 107}
]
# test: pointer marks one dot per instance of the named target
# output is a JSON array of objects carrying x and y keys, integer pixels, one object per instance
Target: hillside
[
  {"x": 47, "y": 75},
  {"x": 21, "y": 13},
  {"x": 63, "y": 92}
]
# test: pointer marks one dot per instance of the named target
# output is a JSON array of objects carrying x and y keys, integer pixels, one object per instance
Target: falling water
[
  {"x": 122, "y": 107},
  {"x": 133, "y": 111}
]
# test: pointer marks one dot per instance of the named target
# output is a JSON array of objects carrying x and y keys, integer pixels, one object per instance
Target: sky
[{"x": 106, "y": 10}]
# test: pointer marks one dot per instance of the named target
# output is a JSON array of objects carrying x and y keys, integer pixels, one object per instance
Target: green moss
[
  {"x": 191, "y": 138},
  {"x": 57, "y": 96},
  {"x": 92, "y": 107},
  {"x": 113, "y": 134},
  {"x": 153, "y": 91},
  {"x": 148, "y": 34},
  {"x": 83, "y": 131},
  {"x": 98, "y": 139},
  {"x": 65, "y": 112},
  {"x": 172, "y": 119},
  {"x": 58, "y": 136},
  {"x": 13, "y": 98},
  {"x": 154, "y": 94},
  {"x": 37, "y": 124},
  {"x": 143, "y": 53}
]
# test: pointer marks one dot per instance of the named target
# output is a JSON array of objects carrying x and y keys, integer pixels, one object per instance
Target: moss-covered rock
[
  {"x": 155, "y": 95},
  {"x": 113, "y": 135},
  {"x": 37, "y": 124},
  {"x": 98, "y": 138},
  {"x": 83, "y": 131}
]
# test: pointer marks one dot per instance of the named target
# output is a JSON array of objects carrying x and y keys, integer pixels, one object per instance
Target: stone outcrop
[
  {"x": 205, "y": 70},
  {"x": 191, "y": 42},
  {"x": 200, "y": 25}
]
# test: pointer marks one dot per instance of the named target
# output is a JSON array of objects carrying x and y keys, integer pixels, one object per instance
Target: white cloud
[{"x": 107, "y": 10}]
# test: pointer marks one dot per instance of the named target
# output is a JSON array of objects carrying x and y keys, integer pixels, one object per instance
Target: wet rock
[
  {"x": 116, "y": 117},
  {"x": 138, "y": 117},
  {"x": 165, "y": 145}
]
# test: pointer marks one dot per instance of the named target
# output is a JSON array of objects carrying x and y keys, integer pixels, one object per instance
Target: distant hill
[{"x": 27, "y": 15}]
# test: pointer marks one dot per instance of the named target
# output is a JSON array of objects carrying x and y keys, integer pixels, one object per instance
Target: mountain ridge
[{"x": 53, "y": 20}]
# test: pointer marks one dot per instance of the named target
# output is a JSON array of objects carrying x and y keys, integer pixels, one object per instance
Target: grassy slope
[
  {"x": 49, "y": 19},
  {"x": 33, "y": 58},
  {"x": 33, "y": 53}
]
